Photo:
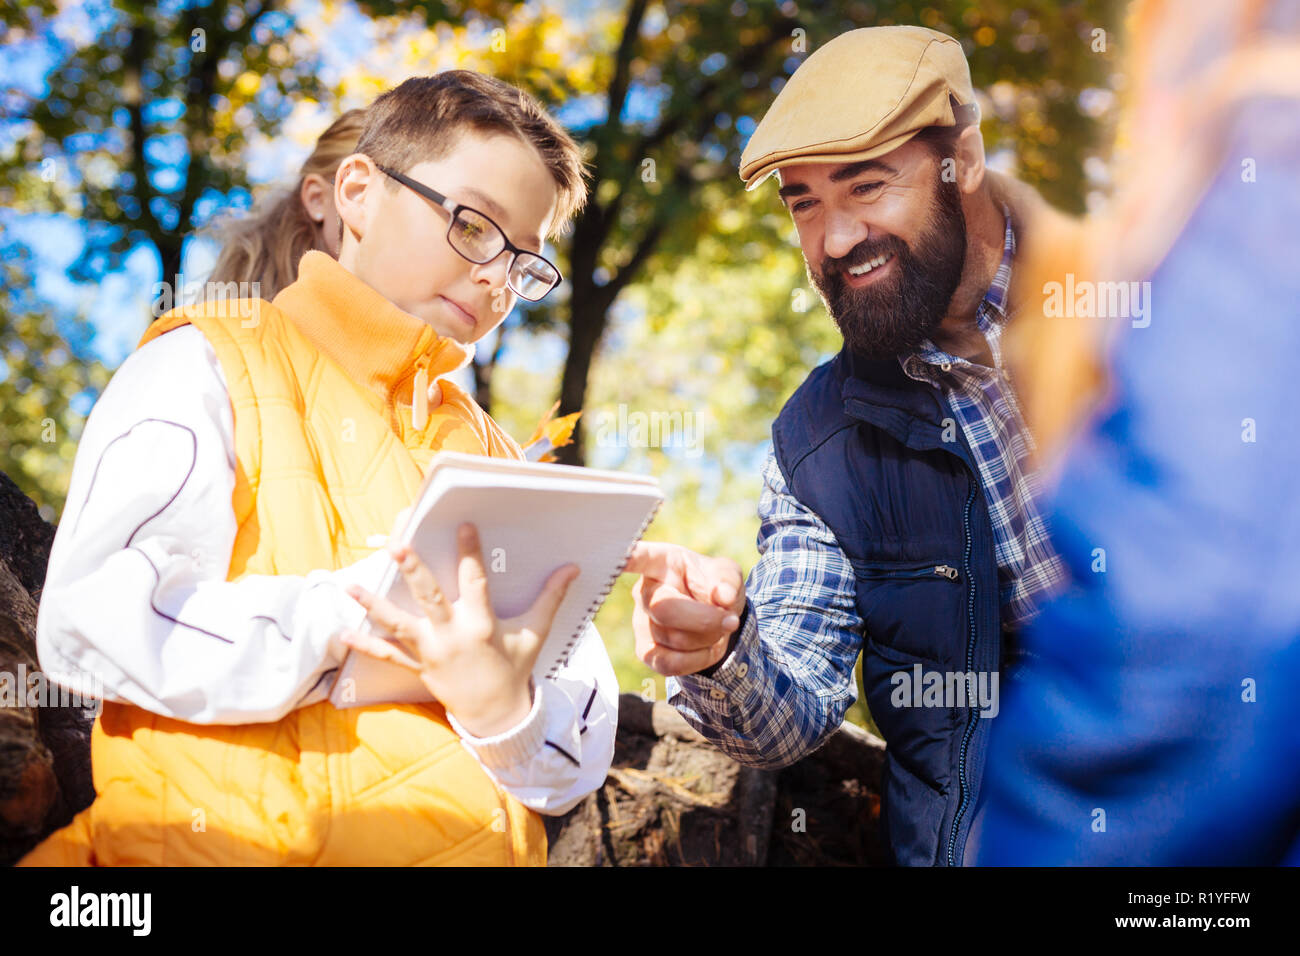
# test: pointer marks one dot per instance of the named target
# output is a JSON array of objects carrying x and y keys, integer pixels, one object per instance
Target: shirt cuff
[
  {"x": 517, "y": 745},
  {"x": 731, "y": 646}
]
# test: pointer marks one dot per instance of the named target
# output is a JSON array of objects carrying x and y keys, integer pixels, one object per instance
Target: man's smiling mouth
[{"x": 868, "y": 266}]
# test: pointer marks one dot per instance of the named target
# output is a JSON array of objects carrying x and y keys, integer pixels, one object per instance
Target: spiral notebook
[{"x": 532, "y": 518}]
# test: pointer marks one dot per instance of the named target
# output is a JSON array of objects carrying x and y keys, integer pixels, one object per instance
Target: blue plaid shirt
[{"x": 790, "y": 677}]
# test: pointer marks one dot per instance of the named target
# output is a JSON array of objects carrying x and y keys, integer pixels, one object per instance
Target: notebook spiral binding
[{"x": 600, "y": 598}]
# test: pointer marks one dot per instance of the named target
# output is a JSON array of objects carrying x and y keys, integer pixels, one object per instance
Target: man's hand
[
  {"x": 479, "y": 667},
  {"x": 687, "y": 607}
]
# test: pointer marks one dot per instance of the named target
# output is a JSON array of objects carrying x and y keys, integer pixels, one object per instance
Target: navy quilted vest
[{"x": 862, "y": 445}]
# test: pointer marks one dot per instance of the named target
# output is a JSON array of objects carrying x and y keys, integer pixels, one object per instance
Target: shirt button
[
  {"x": 946, "y": 366},
  {"x": 717, "y": 694},
  {"x": 742, "y": 670}
]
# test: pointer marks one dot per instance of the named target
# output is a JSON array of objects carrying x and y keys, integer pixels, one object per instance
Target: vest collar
[
  {"x": 880, "y": 393},
  {"x": 379, "y": 346},
  {"x": 884, "y": 384}
]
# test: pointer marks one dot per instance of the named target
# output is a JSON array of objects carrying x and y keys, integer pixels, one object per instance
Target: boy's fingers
[
  {"x": 422, "y": 584},
  {"x": 471, "y": 572},
  {"x": 541, "y": 615},
  {"x": 385, "y": 613},
  {"x": 375, "y": 646}
]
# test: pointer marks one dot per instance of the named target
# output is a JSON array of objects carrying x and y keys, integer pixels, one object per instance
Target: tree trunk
[
  {"x": 585, "y": 331},
  {"x": 45, "y": 776}
]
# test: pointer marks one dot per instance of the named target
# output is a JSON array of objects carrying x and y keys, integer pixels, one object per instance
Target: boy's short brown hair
[{"x": 423, "y": 117}]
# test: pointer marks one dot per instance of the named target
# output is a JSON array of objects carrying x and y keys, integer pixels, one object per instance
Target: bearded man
[{"x": 897, "y": 514}]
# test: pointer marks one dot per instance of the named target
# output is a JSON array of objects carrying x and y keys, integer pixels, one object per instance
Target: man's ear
[
  {"x": 314, "y": 195},
  {"x": 356, "y": 176},
  {"x": 969, "y": 154}
]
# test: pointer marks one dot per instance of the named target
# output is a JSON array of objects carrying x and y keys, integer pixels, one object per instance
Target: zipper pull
[
  {"x": 946, "y": 571},
  {"x": 420, "y": 398}
]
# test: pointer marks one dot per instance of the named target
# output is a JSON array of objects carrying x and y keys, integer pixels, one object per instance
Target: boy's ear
[{"x": 357, "y": 174}]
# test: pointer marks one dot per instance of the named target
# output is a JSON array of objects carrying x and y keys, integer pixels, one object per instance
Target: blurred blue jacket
[{"x": 1157, "y": 718}]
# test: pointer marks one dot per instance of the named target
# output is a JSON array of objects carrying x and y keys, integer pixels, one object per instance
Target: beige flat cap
[{"x": 861, "y": 95}]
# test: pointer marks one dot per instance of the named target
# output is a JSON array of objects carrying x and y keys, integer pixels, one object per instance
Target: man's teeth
[{"x": 868, "y": 266}]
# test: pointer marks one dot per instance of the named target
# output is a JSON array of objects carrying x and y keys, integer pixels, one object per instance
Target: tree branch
[
  {"x": 750, "y": 57},
  {"x": 621, "y": 81},
  {"x": 137, "y": 53},
  {"x": 198, "y": 100},
  {"x": 643, "y": 251}
]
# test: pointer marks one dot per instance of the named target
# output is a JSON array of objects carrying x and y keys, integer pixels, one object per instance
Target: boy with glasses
[
  {"x": 480, "y": 240},
  {"x": 211, "y": 567}
]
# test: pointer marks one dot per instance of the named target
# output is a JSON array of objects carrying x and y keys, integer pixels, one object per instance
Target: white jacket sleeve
[
  {"x": 137, "y": 608},
  {"x": 136, "y": 604},
  {"x": 563, "y": 749}
]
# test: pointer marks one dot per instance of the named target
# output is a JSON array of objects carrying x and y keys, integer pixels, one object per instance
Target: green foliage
[{"x": 40, "y": 416}]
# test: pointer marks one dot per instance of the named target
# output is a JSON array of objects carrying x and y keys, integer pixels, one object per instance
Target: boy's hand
[
  {"x": 477, "y": 666},
  {"x": 687, "y": 606}
]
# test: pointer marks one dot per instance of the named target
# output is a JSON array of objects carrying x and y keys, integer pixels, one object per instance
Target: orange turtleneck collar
[{"x": 374, "y": 341}]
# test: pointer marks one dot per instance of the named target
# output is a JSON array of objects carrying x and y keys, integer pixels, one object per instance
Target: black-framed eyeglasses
[{"x": 480, "y": 240}]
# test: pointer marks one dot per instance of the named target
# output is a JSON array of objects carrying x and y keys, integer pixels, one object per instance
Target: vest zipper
[
  {"x": 914, "y": 571},
  {"x": 970, "y": 666},
  {"x": 419, "y": 398}
]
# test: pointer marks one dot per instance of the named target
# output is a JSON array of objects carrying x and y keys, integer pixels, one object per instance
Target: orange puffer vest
[{"x": 326, "y": 456}]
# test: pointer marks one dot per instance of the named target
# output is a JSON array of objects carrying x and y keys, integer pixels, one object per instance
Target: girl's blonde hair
[{"x": 265, "y": 246}]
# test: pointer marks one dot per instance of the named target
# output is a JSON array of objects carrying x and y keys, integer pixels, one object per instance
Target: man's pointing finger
[{"x": 652, "y": 559}]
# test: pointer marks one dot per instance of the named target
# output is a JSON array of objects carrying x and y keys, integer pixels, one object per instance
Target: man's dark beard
[{"x": 894, "y": 316}]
